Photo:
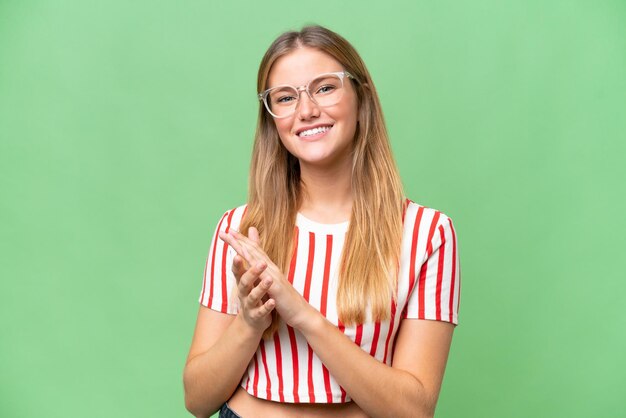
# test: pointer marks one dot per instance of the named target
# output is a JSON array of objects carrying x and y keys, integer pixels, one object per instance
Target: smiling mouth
[{"x": 315, "y": 132}]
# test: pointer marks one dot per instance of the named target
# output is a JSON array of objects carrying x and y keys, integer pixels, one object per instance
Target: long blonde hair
[{"x": 368, "y": 272}]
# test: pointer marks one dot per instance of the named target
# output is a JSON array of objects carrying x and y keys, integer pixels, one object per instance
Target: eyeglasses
[{"x": 324, "y": 90}]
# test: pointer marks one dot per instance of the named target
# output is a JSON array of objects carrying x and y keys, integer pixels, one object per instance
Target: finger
[
  {"x": 256, "y": 294},
  {"x": 267, "y": 307},
  {"x": 250, "y": 244},
  {"x": 238, "y": 267},
  {"x": 246, "y": 254},
  {"x": 253, "y": 234},
  {"x": 245, "y": 247},
  {"x": 241, "y": 237},
  {"x": 246, "y": 283},
  {"x": 241, "y": 243},
  {"x": 252, "y": 251},
  {"x": 245, "y": 242},
  {"x": 231, "y": 240},
  {"x": 236, "y": 245}
]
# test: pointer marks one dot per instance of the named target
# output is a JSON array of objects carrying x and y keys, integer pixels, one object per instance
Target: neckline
[{"x": 303, "y": 222}]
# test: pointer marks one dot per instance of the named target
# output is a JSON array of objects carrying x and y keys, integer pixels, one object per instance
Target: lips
[{"x": 313, "y": 130}]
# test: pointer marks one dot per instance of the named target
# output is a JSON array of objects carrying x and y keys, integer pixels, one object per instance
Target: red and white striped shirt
[{"x": 285, "y": 368}]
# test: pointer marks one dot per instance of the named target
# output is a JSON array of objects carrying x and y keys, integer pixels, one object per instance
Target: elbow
[
  {"x": 413, "y": 410},
  {"x": 191, "y": 406},
  {"x": 423, "y": 402},
  {"x": 429, "y": 413},
  {"x": 197, "y": 410},
  {"x": 427, "y": 405},
  {"x": 420, "y": 409},
  {"x": 195, "y": 404}
]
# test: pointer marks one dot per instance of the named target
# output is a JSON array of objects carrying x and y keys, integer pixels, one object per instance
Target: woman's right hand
[
  {"x": 292, "y": 307},
  {"x": 254, "y": 307}
]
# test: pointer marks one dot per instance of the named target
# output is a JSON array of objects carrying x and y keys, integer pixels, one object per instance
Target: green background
[{"x": 126, "y": 130}]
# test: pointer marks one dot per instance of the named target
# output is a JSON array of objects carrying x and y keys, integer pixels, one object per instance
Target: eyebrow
[{"x": 305, "y": 83}]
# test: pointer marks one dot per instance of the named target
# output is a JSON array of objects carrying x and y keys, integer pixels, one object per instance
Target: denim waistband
[{"x": 226, "y": 412}]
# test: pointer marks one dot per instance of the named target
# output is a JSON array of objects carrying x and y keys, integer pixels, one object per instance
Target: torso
[
  {"x": 285, "y": 377},
  {"x": 247, "y": 406}
]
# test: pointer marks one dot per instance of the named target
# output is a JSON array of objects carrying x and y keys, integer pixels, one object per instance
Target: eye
[
  {"x": 326, "y": 89},
  {"x": 285, "y": 99}
]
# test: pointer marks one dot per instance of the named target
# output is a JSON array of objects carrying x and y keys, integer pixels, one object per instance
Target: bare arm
[
  {"x": 223, "y": 345},
  {"x": 410, "y": 388}
]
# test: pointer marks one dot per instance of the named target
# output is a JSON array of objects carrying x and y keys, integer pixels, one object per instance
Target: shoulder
[
  {"x": 425, "y": 229},
  {"x": 416, "y": 216},
  {"x": 232, "y": 218}
]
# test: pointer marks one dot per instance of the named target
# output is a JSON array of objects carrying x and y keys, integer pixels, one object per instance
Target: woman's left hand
[{"x": 290, "y": 304}]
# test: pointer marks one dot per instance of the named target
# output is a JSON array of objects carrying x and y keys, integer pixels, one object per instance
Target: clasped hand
[{"x": 263, "y": 287}]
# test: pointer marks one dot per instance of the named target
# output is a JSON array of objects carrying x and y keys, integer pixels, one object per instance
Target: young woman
[{"x": 328, "y": 294}]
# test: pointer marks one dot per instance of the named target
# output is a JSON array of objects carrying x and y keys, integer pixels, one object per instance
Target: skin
[{"x": 224, "y": 344}]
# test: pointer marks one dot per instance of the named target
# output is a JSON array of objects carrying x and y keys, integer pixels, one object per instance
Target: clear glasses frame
[{"x": 263, "y": 96}]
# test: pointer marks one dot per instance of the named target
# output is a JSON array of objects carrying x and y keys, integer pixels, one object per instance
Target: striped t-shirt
[{"x": 285, "y": 368}]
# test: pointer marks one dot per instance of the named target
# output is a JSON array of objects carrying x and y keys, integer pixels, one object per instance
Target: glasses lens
[
  {"x": 281, "y": 101},
  {"x": 326, "y": 89}
]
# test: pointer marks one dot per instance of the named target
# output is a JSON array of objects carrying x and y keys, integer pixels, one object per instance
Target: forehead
[{"x": 300, "y": 65}]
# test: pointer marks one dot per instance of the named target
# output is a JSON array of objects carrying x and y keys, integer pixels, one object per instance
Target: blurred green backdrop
[{"x": 126, "y": 130}]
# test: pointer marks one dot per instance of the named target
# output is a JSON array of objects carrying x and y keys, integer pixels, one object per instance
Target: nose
[{"x": 306, "y": 107}]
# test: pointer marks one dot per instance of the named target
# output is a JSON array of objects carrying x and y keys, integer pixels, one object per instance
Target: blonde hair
[{"x": 369, "y": 264}]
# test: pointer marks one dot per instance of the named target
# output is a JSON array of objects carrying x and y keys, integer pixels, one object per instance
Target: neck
[{"x": 327, "y": 196}]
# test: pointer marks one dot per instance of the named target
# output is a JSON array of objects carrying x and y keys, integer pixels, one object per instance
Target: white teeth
[{"x": 314, "y": 131}]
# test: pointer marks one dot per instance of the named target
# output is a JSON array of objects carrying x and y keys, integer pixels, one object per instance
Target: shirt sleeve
[
  {"x": 219, "y": 284},
  {"x": 436, "y": 295}
]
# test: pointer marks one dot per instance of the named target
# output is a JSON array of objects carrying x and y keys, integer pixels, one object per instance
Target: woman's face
[{"x": 324, "y": 149}]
